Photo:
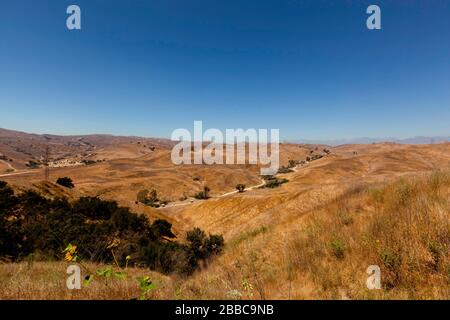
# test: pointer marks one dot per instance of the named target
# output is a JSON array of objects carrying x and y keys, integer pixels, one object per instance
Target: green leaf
[
  {"x": 68, "y": 248},
  {"x": 87, "y": 281},
  {"x": 119, "y": 275},
  {"x": 145, "y": 285},
  {"x": 106, "y": 272}
]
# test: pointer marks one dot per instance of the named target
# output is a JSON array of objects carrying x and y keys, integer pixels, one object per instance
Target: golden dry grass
[
  {"x": 47, "y": 280},
  {"x": 402, "y": 226},
  {"x": 312, "y": 238}
]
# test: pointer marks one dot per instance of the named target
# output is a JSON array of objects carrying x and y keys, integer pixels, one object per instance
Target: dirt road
[
  {"x": 15, "y": 173},
  {"x": 192, "y": 201},
  {"x": 10, "y": 167}
]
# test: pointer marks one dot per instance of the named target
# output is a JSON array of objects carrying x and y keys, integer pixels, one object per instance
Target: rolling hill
[{"x": 284, "y": 242}]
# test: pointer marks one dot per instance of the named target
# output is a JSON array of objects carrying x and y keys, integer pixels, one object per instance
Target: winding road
[
  {"x": 8, "y": 165},
  {"x": 192, "y": 201},
  {"x": 14, "y": 172}
]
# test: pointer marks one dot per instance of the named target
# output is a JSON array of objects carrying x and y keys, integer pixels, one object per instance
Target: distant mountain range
[
  {"x": 107, "y": 139},
  {"x": 413, "y": 140}
]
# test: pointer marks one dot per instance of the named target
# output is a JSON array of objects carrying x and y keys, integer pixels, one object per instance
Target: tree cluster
[{"x": 102, "y": 230}]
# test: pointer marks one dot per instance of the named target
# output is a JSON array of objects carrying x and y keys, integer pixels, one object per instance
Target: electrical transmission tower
[{"x": 46, "y": 164}]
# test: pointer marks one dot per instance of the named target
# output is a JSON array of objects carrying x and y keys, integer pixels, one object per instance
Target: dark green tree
[{"x": 65, "y": 182}]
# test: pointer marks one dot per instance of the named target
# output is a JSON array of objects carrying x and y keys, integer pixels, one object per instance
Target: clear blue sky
[{"x": 310, "y": 68}]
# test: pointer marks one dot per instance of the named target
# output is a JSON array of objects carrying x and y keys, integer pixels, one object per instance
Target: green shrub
[
  {"x": 202, "y": 247},
  {"x": 33, "y": 164},
  {"x": 285, "y": 170},
  {"x": 142, "y": 196},
  {"x": 204, "y": 194},
  {"x": 65, "y": 182},
  {"x": 345, "y": 218},
  {"x": 88, "y": 162},
  {"x": 437, "y": 251},
  {"x": 391, "y": 259},
  {"x": 292, "y": 163},
  {"x": 149, "y": 198},
  {"x": 275, "y": 182},
  {"x": 338, "y": 248}
]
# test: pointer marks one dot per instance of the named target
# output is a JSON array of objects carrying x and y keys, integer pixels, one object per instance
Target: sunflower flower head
[
  {"x": 70, "y": 253},
  {"x": 68, "y": 257}
]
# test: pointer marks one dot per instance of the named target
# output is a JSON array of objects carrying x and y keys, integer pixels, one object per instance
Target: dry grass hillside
[
  {"x": 315, "y": 183},
  {"x": 312, "y": 237},
  {"x": 119, "y": 171},
  {"x": 20, "y": 148},
  {"x": 402, "y": 226}
]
